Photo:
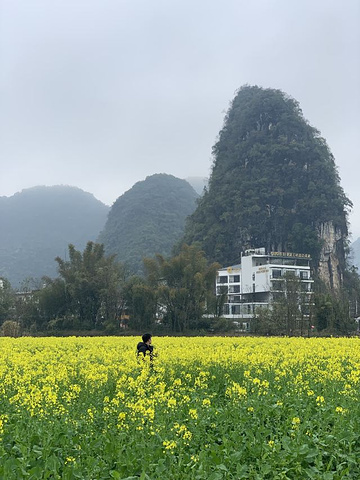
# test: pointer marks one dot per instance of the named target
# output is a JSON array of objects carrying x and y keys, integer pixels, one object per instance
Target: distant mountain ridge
[
  {"x": 38, "y": 223},
  {"x": 198, "y": 183},
  {"x": 355, "y": 253},
  {"x": 148, "y": 219}
]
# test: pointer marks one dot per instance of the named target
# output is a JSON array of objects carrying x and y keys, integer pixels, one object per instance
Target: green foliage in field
[{"x": 220, "y": 408}]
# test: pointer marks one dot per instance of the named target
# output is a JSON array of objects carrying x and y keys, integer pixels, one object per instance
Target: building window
[
  {"x": 234, "y": 289},
  {"x": 234, "y": 298},
  {"x": 304, "y": 274},
  {"x": 276, "y": 273},
  {"x": 277, "y": 296},
  {"x": 222, "y": 279},
  {"x": 234, "y": 279},
  {"x": 277, "y": 286}
]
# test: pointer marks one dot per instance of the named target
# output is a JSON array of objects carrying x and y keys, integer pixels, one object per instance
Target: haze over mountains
[
  {"x": 274, "y": 183},
  {"x": 38, "y": 224},
  {"x": 355, "y": 253}
]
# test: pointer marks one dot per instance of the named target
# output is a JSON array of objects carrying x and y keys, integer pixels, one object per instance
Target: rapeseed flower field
[{"x": 206, "y": 408}]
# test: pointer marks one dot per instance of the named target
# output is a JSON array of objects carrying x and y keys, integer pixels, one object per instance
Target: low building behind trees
[{"x": 262, "y": 280}]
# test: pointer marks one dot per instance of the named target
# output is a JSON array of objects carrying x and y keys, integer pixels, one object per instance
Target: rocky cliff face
[{"x": 332, "y": 260}]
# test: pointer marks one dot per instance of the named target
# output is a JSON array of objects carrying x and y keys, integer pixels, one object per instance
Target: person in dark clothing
[{"x": 145, "y": 346}]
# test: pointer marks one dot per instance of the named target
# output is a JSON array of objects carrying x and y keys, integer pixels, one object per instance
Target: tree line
[
  {"x": 295, "y": 311},
  {"x": 94, "y": 292}
]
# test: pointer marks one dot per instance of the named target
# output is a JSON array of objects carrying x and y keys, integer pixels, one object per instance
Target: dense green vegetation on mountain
[
  {"x": 38, "y": 224},
  {"x": 273, "y": 183},
  {"x": 148, "y": 219}
]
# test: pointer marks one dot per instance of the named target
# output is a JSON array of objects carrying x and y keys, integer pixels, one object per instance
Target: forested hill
[
  {"x": 37, "y": 225},
  {"x": 273, "y": 184},
  {"x": 148, "y": 219}
]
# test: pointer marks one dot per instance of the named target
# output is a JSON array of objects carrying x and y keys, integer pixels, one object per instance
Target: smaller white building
[{"x": 258, "y": 279}]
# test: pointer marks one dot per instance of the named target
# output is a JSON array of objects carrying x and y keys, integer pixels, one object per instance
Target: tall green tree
[
  {"x": 51, "y": 305},
  {"x": 7, "y": 300},
  {"x": 332, "y": 313},
  {"x": 140, "y": 301},
  {"x": 93, "y": 285},
  {"x": 183, "y": 285},
  {"x": 290, "y": 310}
]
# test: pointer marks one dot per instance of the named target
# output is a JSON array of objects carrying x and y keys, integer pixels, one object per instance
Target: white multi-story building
[{"x": 256, "y": 281}]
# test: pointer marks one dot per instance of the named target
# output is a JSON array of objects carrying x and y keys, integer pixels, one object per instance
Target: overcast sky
[{"x": 101, "y": 93}]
